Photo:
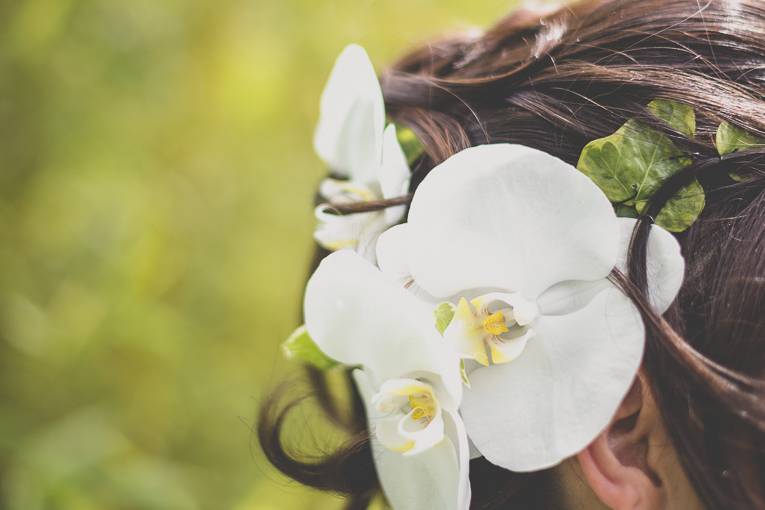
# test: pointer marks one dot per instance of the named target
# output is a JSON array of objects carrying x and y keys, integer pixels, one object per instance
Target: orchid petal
[
  {"x": 455, "y": 431},
  {"x": 474, "y": 453},
  {"x": 505, "y": 350},
  {"x": 524, "y": 311},
  {"x": 412, "y": 419},
  {"x": 392, "y": 251},
  {"x": 665, "y": 264},
  {"x": 358, "y": 231},
  {"x": 348, "y": 136},
  {"x": 357, "y": 316},
  {"x": 338, "y": 191},
  {"x": 393, "y": 174},
  {"x": 430, "y": 479},
  {"x": 422, "y": 438},
  {"x": 464, "y": 336},
  {"x": 510, "y": 217},
  {"x": 370, "y": 234},
  {"x": 385, "y": 428},
  {"x": 552, "y": 401},
  {"x": 567, "y": 297},
  {"x": 400, "y": 388}
]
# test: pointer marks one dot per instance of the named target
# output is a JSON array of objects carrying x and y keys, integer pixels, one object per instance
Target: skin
[{"x": 630, "y": 466}]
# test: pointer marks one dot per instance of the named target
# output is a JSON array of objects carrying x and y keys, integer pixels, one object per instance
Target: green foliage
[
  {"x": 443, "y": 314},
  {"x": 678, "y": 116},
  {"x": 633, "y": 163},
  {"x": 730, "y": 139},
  {"x": 625, "y": 211},
  {"x": 635, "y": 160},
  {"x": 601, "y": 161},
  {"x": 300, "y": 347},
  {"x": 682, "y": 209}
]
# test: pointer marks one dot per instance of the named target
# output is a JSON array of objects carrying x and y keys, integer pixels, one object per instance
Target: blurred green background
[{"x": 156, "y": 181}]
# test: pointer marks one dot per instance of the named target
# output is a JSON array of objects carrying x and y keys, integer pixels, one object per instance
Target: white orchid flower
[
  {"x": 352, "y": 140},
  {"x": 521, "y": 244},
  {"x": 409, "y": 379}
]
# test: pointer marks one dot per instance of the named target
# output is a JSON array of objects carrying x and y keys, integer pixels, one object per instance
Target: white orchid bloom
[
  {"x": 410, "y": 379},
  {"x": 521, "y": 244},
  {"x": 351, "y": 138}
]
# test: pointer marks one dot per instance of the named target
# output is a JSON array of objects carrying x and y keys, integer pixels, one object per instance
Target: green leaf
[
  {"x": 443, "y": 314},
  {"x": 625, "y": 211},
  {"x": 678, "y": 116},
  {"x": 683, "y": 209},
  {"x": 301, "y": 347},
  {"x": 410, "y": 144},
  {"x": 632, "y": 164},
  {"x": 601, "y": 161},
  {"x": 730, "y": 139},
  {"x": 649, "y": 158}
]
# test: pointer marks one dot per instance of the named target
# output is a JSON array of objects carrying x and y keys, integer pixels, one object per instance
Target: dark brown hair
[{"x": 555, "y": 83}]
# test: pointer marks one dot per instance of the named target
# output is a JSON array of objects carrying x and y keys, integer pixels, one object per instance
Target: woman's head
[{"x": 555, "y": 83}]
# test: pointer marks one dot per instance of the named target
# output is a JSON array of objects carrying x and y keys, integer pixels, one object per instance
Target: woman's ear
[
  {"x": 618, "y": 464},
  {"x": 632, "y": 465}
]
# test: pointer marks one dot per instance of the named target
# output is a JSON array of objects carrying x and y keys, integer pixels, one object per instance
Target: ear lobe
[{"x": 616, "y": 465}]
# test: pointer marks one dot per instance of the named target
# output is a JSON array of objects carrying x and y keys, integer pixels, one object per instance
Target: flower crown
[{"x": 486, "y": 325}]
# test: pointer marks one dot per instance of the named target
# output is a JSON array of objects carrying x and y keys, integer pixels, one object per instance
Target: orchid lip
[
  {"x": 494, "y": 328},
  {"x": 411, "y": 416}
]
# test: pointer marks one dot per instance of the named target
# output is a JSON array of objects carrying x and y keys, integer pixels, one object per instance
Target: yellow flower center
[
  {"x": 423, "y": 407},
  {"x": 495, "y": 324}
]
